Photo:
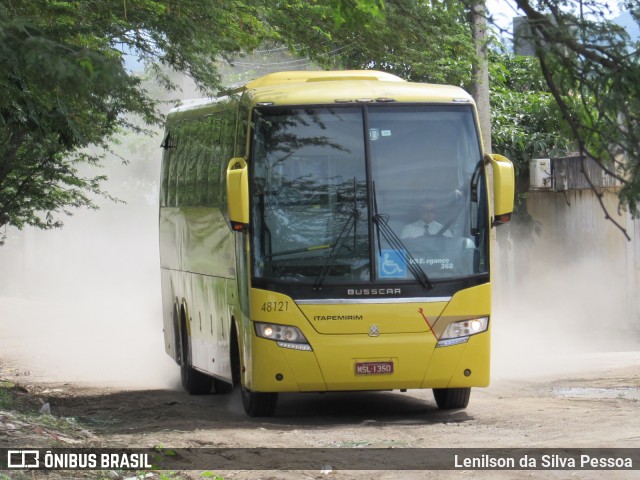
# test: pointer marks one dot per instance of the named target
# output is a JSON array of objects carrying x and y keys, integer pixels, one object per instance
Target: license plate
[{"x": 374, "y": 368}]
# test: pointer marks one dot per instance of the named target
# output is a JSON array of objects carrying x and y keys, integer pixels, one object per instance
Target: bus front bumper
[{"x": 360, "y": 362}]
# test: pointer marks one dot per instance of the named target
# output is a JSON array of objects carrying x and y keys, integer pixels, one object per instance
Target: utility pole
[
  {"x": 480, "y": 69},
  {"x": 480, "y": 93}
]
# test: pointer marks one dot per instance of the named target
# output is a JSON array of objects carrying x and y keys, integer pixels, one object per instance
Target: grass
[
  {"x": 23, "y": 410},
  {"x": 6, "y": 396}
]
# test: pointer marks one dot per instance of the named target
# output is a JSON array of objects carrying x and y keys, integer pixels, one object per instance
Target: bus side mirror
[
  {"x": 238, "y": 193},
  {"x": 503, "y": 188}
]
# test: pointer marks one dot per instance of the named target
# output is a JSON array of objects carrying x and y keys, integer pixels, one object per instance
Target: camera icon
[{"x": 23, "y": 459}]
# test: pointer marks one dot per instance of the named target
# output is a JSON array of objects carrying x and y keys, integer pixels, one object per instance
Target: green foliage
[
  {"x": 64, "y": 87},
  {"x": 430, "y": 41},
  {"x": 52, "y": 104},
  {"x": 212, "y": 476},
  {"x": 350, "y": 12},
  {"x": 525, "y": 120},
  {"x": 6, "y": 399},
  {"x": 592, "y": 68},
  {"x": 581, "y": 95},
  {"x": 425, "y": 40}
]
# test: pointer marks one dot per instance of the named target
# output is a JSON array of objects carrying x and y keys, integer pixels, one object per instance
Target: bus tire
[
  {"x": 177, "y": 341},
  {"x": 221, "y": 387},
  {"x": 258, "y": 404},
  {"x": 451, "y": 398},
  {"x": 193, "y": 381}
]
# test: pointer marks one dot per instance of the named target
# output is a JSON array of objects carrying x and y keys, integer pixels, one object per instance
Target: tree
[
  {"x": 64, "y": 84},
  {"x": 431, "y": 41},
  {"x": 592, "y": 68},
  {"x": 64, "y": 87},
  {"x": 418, "y": 40},
  {"x": 480, "y": 68},
  {"x": 526, "y": 123}
]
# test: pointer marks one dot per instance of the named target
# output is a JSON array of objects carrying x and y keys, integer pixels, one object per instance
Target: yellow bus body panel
[
  {"x": 417, "y": 360},
  {"x": 351, "y": 91}
]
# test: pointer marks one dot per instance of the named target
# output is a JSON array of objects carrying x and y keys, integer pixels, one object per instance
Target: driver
[{"x": 426, "y": 223}]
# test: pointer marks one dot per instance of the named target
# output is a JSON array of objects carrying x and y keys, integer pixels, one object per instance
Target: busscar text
[{"x": 374, "y": 291}]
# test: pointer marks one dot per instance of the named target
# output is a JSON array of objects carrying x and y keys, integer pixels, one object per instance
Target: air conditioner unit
[{"x": 540, "y": 174}]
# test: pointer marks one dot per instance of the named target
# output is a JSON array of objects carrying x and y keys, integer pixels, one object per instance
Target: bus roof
[
  {"x": 307, "y": 76},
  {"x": 348, "y": 86}
]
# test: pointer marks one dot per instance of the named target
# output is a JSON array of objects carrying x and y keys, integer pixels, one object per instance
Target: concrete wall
[{"x": 582, "y": 257}]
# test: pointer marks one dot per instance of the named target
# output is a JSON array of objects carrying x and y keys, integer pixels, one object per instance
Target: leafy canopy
[
  {"x": 64, "y": 86},
  {"x": 591, "y": 68},
  {"x": 419, "y": 40}
]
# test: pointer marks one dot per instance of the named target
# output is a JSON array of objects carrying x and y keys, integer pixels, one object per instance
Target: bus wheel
[
  {"x": 193, "y": 381},
  {"x": 221, "y": 387},
  {"x": 450, "y": 398},
  {"x": 258, "y": 404}
]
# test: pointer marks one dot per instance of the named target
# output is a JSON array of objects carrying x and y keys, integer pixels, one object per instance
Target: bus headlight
[
  {"x": 463, "y": 330},
  {"x": 286, "y": 336}
]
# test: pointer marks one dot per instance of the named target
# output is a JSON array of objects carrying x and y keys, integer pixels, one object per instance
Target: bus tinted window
[
  {"x": 309, "y": 195},
  {"x": 423, "y": 159},
  {"x": 194, "y": 162}
]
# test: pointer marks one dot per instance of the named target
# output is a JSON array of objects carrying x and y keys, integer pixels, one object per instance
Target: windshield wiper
[
  {"x": 349, "y": 224},
  {"x": 394, "y": 241}
]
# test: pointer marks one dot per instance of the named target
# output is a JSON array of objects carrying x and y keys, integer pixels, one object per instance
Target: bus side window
[
  {"x": 172, "y": 180},
  {"x": 227, "y": 140},
  {"x": 208, "y": 162},
  {"x": 242, "y": 126},
  {"x": 201, "y": 188},
  {"x": 167, "y": 157},
  {"x": 189, "y": 193},
  {"x": 184, "y": 151}
]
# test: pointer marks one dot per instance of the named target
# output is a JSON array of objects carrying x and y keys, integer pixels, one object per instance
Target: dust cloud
[
  {"x": 557, "y": 311},
  {"x": 82, "y": 304}
]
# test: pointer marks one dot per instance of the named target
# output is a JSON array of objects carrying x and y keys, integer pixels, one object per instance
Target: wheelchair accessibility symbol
[{"x": 392, "y": 264}]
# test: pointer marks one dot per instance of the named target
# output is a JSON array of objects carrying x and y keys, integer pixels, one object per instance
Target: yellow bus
[{"x": 329, "y": 231}]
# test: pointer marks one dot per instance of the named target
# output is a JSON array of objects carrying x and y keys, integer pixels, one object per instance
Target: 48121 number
[{"x": 280, "y": 306}]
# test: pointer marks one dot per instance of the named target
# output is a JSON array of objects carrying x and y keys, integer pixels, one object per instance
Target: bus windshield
[{"x": 367, "y": 194}]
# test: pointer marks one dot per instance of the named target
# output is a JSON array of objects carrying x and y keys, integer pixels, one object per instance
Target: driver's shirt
[{"x": 420, "y": 228}]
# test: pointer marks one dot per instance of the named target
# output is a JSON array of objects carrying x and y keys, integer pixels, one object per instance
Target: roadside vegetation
[
  {"x": 27, "y": 422},
  {"x": 26, "y": 416}
]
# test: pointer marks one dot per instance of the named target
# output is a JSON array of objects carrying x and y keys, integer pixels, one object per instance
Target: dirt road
[{"x": 598, "y": 408}]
